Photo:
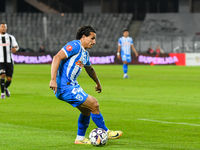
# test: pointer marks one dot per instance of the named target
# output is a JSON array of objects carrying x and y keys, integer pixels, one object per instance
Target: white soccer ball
[{"x": 98, "y": 137}]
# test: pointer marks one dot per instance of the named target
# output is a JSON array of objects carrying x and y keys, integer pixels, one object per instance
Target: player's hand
[
  {"x": 98, "y": 88},
  {"x": 13, "y": 50},
  {"x": 53, "y": 85},
  {"x": 118, "y": 56},
  {"x": 136, "y": 54}
]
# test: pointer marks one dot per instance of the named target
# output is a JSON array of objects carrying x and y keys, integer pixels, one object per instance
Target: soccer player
[
  {"x": 66, "y": 66},
  {"x": 125, "y": 44},
  {"x": 8, "y": 45}
]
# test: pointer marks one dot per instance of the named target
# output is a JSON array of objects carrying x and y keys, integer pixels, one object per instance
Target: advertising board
[{"x": 110, "y": 58}]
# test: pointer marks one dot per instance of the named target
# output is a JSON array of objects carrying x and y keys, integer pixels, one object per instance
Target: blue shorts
[
  {"x": 126, "y": 58},
  {"x": 73, "y": 95}
]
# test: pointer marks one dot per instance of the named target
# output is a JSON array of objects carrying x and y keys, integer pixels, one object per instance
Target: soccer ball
[{"x": 98, "y": 137}]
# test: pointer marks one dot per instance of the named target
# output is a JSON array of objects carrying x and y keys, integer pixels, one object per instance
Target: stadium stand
[
  {"x": 174, "y": 32},
  {"x": 54, "y": 30}
]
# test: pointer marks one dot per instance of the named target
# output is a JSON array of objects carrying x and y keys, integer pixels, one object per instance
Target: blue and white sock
[
  {"x": 125, "y": 68},
  {"x": 99, "y": 121},
  {"x": 83, "y": 123}
]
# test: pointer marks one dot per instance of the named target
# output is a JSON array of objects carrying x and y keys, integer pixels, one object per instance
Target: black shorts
[{"x": 6, "y": 68}]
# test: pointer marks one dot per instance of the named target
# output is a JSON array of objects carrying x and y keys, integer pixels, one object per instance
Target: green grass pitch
[{"x": 157, "y": 108}]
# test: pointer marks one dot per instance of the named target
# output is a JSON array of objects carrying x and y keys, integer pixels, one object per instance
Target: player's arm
[
  {"x": 14, "y": 49},
  {"x": 15, "y": 46},
  {"x": 134, "y": 50},
  {"x": 54, "y": 68},
  {"x": 118, "y": 51},
  {"x": 91, "y": 72}
]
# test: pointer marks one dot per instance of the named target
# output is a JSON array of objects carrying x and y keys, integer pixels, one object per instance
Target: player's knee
[
  {"x": 3, "y": 75},
  {"x": 125, "y": 62},
  {"x": 86, "y": 113},
  {"x": 9, "y": 78},
  {"x": 95, "y": 107}
]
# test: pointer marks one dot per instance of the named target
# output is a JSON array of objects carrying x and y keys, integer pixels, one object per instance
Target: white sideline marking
[{"x": 170, "y": 122}]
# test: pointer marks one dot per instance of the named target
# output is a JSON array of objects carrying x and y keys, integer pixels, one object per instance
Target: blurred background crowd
[{"x": 47, "y": 25}]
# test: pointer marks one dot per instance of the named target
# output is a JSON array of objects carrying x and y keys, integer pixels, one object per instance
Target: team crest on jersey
[
  {"x": 69, "y": 47},
  {"x": 79, "y": 97}
]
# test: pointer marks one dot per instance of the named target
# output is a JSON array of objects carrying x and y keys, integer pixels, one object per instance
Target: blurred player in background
[
  {"x": 125, "y": 44},
  {"x": 66, "y": 66},
  {"x": 8, "y": 45}
]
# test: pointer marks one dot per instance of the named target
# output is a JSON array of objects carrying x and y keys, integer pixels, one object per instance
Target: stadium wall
[{"x": 179, "y": 59}]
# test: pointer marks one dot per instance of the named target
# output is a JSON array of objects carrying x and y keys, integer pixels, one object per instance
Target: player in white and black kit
[{"x": 8, "y": 45}]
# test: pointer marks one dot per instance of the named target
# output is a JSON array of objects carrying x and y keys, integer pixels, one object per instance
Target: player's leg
[
  {"x": 8, "y": 81},
  {"x": 9, "y": 73},
  {"x": 126, "y": 60},
  {"x": 3, "y": 75},
  {"x": 83, "y": 123},
  {"x": 76, "y": 96},
  {"x": 86, "y": 104},
  {"x": 89, "y": 107},
  {"x": 92, "y": 104},
  {"x": 125, "y": 65},
  {"x": 125, "y": 69}
]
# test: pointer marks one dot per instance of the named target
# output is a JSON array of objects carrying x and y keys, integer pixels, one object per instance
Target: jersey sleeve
[
  {"x": 131, "y": 41},
  {"x": 71, "y": 48},
  {"x": 88, "y": 60},
  {"x": 119, "y": 42},
  {"x": 14, "y": 43}
]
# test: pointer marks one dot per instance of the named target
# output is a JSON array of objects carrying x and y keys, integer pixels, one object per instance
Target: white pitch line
[{"x": 182, "y": 123}]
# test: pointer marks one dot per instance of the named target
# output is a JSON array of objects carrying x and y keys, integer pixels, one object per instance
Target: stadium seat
[{"x": 28, "y": 28}]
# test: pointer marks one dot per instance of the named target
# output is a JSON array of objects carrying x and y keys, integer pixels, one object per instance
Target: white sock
[{"x": 80, "y": 138}]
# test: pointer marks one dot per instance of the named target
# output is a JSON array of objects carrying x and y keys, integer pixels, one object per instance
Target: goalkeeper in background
[
  {"x": 125, "y": 44},
  {"x": 66, "y": 66}
]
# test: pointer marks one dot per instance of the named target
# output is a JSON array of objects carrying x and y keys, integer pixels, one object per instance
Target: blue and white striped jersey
[
  {"x": 125, "y": 43},
  {"x": 71, "y": 67}
]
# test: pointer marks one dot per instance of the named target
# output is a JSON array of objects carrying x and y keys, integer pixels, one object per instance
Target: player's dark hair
[
  {"x": 84, "y": 30},
  {"x": 2, "y": 23},
  {"x": 125, "y": 30}
]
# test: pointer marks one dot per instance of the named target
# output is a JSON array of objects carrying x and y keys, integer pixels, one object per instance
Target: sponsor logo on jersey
[
  {"x": 5, "y": 44},
  {"x": 80, "y": 64},
  {"x": 69, "y": 47},
  {"x": 126, "y": 43}
]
